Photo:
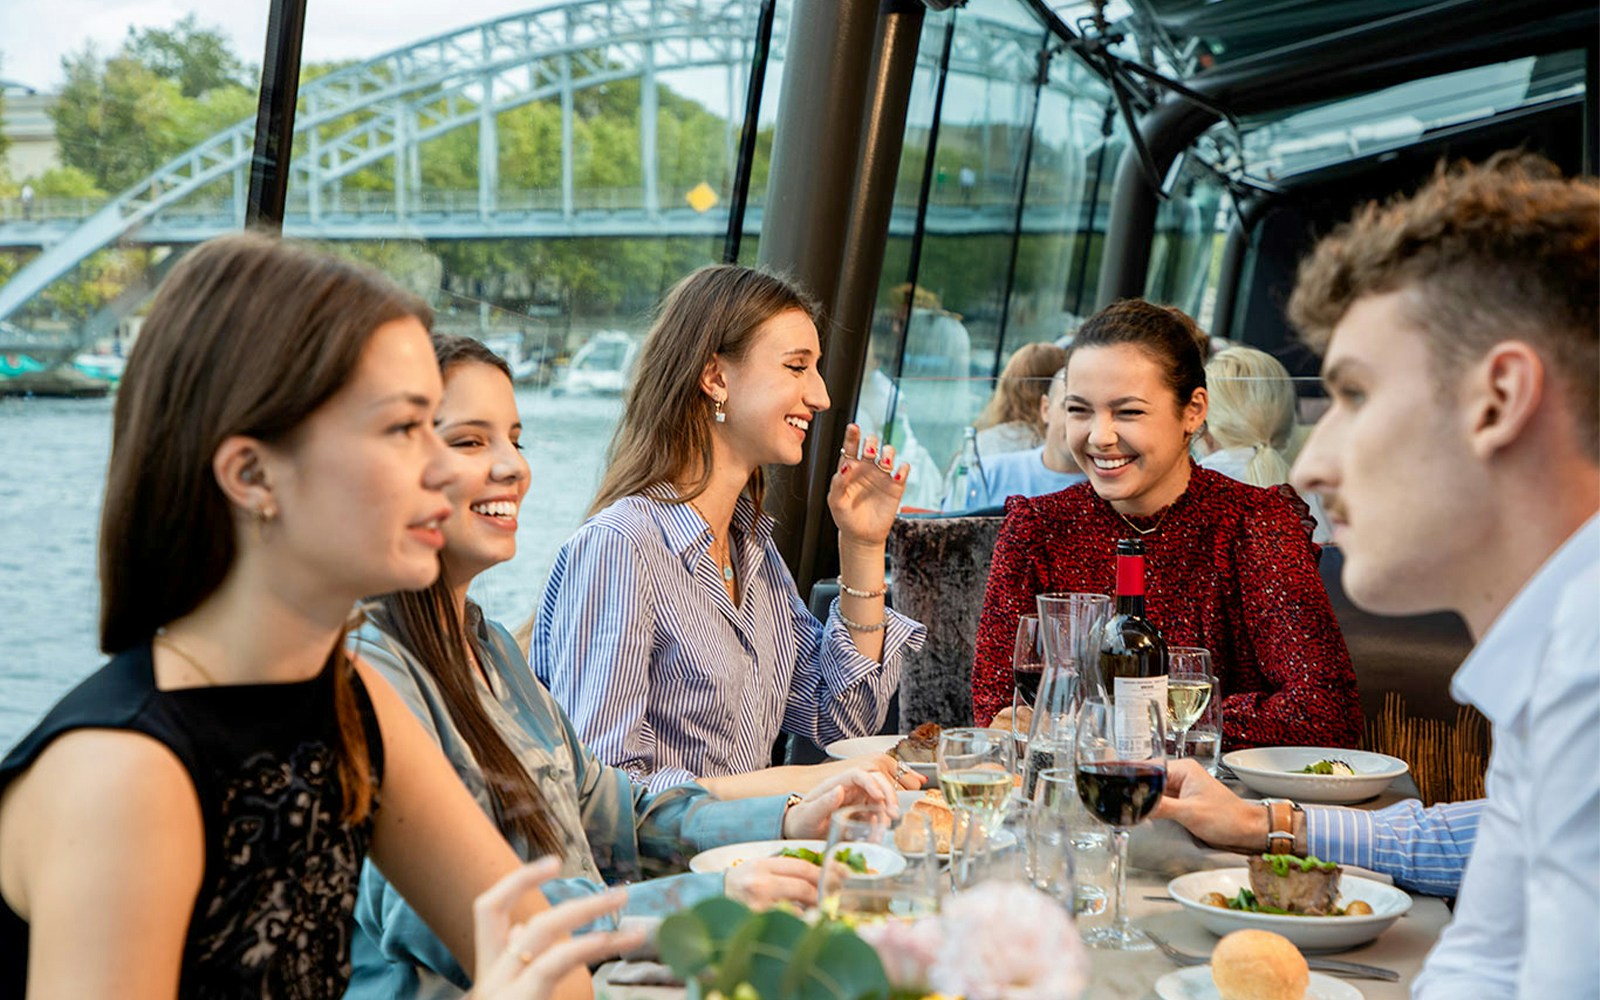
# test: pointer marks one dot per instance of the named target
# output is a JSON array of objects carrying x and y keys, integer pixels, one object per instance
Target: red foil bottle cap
[{"x": 1130, "y": 575}]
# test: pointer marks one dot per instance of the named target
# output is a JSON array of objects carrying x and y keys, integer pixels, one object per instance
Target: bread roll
[
  {"x": 1259, "y": 965},
  {"x": 940, "y": 819}
]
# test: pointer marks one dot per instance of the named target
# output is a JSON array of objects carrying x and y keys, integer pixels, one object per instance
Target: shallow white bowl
[
  {"x": 882, "y": 860},
  {"x": 1308, "y": 933},
  {"x": 1273, "y": 771}
]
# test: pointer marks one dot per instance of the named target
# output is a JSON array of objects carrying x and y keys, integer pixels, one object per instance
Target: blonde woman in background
[
  {"x": 1251, "y": 423},
  {"x": 1011, "y": 420}
]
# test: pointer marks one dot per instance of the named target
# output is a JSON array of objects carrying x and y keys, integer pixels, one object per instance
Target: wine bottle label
[{"x": 1130, "y": 695}]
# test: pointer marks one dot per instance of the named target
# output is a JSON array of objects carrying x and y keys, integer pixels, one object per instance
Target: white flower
[
  {"x": 907, "y": 950},
  {"x": 1008, "y": 941}
]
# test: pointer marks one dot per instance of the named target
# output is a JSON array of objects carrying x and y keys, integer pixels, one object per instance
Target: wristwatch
[
  {"x": 1283, "y": 817},
  {"x": 794, "y": 799}
]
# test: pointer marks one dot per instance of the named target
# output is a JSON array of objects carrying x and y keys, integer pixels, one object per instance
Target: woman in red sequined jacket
[{"x": 1229, "y": 567}]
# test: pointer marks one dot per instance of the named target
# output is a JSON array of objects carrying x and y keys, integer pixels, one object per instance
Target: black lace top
[{"x": 273, "y": 917}]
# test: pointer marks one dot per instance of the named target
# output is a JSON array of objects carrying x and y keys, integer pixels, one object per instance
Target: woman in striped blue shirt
[{"x": 670, "y": 630}]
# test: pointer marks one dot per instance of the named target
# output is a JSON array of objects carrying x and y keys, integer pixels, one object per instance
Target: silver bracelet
[
  {"x": 853, "y": 592},
  {"x": 858, "y": 627}
]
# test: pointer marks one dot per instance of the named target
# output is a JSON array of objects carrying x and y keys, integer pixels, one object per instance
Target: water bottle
[{"x": 969, "y": 487}]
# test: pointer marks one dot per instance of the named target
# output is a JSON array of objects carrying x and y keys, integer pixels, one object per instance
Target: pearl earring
[{"x": 720, "y": 416}]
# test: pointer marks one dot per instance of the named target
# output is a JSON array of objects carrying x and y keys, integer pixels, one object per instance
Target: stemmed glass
[
  {"x": 1027, "y": 669},
  {"x": 878, "y": 867},
  {"x": 975, "y": 768},
  {"x": 1121, "y": 767},
  {"x": 1189, "y": 687}
]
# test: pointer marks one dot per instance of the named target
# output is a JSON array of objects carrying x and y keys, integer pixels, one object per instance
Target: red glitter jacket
[{"x": 1231, "y": 568}]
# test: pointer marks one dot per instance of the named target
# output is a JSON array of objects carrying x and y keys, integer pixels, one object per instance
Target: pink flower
[
  {"x": 1008, "y": 941},
  {"x": 907, "y": 950}
]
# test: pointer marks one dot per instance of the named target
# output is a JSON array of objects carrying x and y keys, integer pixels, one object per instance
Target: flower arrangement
[{"x": 998, "y": 941}]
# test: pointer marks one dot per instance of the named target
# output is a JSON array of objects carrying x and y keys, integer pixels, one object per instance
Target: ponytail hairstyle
[
  {"x": 665, "y": 431},
  {"x": 1252, "y": 406},
  {"x": 247, "y": 336},
  {"x": 425, "y": 623},
  {"x": 1165, "y": 334}
]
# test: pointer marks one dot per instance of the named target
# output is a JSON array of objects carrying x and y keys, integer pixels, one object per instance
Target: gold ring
[{"x": 525, "y": 957}]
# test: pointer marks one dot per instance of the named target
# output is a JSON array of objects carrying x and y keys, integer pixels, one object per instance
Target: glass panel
[
  {"x": 122, "y": 147},
  {"x": 543, "y": 177},
  {"x": 1186, "y": 251}
]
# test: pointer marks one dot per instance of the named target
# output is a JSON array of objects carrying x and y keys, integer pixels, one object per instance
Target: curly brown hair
[{"x": 1504, "y": 250}]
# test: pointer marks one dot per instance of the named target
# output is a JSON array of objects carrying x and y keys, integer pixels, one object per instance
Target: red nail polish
[
  {"x": 844, "y": 467},
  {"x": 871, "y": 452}
]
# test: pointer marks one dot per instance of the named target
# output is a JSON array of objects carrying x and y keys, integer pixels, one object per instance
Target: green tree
[
  {"x": 198, "y": 59},
  {"x": 4, "y": 141}
]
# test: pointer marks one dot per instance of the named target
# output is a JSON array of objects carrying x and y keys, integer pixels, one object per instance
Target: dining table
[{"x": 1160, "y": 851}]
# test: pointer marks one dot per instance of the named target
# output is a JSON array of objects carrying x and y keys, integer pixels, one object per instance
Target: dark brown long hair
[
  {"x": 426, "y": 623},
  {"x": 665, "y": 431},
  {"x": 1167, "y": 335},
  {"x": 247, "y": 336}
]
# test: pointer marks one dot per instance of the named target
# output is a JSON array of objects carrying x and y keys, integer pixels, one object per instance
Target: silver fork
[{"x": 1313, "y": 961}]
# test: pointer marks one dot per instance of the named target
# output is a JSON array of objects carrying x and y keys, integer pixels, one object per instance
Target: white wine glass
[
  {"x": 1190, "y": 688},
  {"x": 1121, "y": 769},
  {"x": 975, "y": 767}
]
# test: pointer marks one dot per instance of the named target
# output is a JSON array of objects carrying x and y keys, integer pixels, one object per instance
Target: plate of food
[
  {"x": 919, "y": 750},
  {"x": 860, "y": 746},
  {"x": 1310, "y": 902},
  {"x": 868, "y": 859},
  {"x": 1315, "y": 774},
  {"x": 1195, "y": 983},
  {"x": 1253, "y": 965}
]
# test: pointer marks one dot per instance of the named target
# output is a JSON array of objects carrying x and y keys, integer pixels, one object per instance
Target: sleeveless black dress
[{"x": 273, "y": 917}]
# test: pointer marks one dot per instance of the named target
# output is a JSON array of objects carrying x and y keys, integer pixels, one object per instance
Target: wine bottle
[{"x": 1133, "y": 655}]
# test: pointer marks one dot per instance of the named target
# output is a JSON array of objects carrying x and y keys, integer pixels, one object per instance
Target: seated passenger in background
[
  {"x": 1460, "y": 459},
  {"x": 1013, "y": 419},
  {"x": 1034, "y": 472},
  {"x": 670, "y": 629},
  {"x": 1229, "y": 567},
  {"x": 465, "y": 680},
  {"x": 1250, "y": 422}
]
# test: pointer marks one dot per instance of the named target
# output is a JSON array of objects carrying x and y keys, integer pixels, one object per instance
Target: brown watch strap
[{"x": 1280, "y": 826}]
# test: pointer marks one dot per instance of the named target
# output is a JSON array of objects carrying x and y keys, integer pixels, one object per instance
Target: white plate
[
  {"x": 1308, "y": 933},
  {"x": 881, "y": 860},
  {"x": 1194, "y": 983},
  {"x": 1274, "y": 771},
  {"x": 863, "y": 745}
]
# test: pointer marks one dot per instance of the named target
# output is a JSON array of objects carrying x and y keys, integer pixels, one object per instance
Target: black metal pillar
[
  {"x": 810, "y": 195},
  {"x": 747, "y": 137},
  {"x": 280, "y": 86}
]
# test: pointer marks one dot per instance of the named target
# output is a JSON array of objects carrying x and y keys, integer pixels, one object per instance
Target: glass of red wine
[
  {"x": 1027, "y": 669},
  {"x": 1122, "y": 770}
]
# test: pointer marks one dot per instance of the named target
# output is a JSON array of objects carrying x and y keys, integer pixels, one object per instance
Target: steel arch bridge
[{"x": 383, "y": 110}]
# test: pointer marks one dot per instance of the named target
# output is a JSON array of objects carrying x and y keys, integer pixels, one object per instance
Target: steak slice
[
  {"x": 1313, "y": 892},
  {"x": 921, "y": 747}
]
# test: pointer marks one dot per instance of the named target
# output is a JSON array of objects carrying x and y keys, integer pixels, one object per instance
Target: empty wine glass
[
  {"x": 1189, "y": 687},
  {"x": 1121, "y": 769}
]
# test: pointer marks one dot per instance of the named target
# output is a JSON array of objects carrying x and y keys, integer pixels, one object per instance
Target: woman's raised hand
[
  {"x": 529, "y": 961},
  {"x": 865, "y": 494},
  {"x": 808, "y": 818}
]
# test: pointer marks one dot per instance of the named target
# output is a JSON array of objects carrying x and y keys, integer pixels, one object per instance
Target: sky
[{"x": 35, "y": 34}]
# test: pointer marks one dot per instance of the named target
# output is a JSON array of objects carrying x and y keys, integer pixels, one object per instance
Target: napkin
[{"x": 641, "y": 973}]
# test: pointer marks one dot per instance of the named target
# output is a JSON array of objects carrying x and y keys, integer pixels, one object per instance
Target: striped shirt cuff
[{"x": 1341, "y": 835}]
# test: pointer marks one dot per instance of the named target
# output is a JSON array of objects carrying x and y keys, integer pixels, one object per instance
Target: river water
[{"x": 52, "y": 473}]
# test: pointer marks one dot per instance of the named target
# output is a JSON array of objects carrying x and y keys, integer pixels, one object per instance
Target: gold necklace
[
  {"x": 1154, "y": 527},
  {"x": 725, "y": 562},
  {"x": 162, "y": 639}
]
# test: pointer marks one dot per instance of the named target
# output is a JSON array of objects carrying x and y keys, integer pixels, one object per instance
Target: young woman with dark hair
[
  {"x": 670, "y": 629},
  {"x": 191, "y": 819},
  {"x": 1230, "y": 567},
  {"x": 464, "y": 678}
]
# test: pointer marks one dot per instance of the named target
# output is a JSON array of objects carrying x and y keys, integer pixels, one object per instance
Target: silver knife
[{"x": 1352, "y": 968}]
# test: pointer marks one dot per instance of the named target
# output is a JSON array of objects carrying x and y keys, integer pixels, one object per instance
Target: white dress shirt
[{"x": 1527, "y": 922}]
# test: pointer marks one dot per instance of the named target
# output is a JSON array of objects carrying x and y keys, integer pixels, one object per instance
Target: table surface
[{"x": 1132, "y": 975}]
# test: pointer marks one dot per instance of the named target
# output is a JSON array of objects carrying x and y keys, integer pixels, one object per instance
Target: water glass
[
  {"x": 876, "y": 866},
  {"x": 1058, "y": 806}
]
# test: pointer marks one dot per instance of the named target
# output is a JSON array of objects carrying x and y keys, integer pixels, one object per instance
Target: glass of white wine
[
  {"x": 1190, "y": 684},
  {"x": 975, "y": 767}
]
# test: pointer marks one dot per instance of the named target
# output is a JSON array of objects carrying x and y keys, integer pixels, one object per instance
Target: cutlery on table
[{"x": 1313, "y": 961}]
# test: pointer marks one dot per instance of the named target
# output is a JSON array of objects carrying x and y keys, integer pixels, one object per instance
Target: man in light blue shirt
[
  {"x": 1460, "y": 465},
  {"x": 1048, "y": 468}
]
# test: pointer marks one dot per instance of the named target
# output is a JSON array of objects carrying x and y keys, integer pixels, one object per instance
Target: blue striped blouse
[
  {"x": 664, "y": 677},
  {"x": 1422, "y": 849}
]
